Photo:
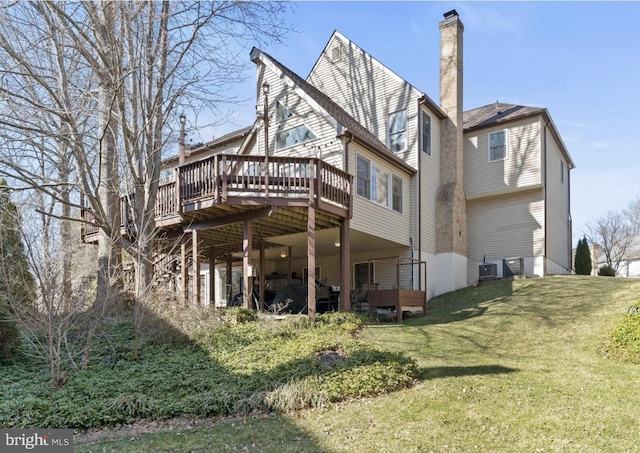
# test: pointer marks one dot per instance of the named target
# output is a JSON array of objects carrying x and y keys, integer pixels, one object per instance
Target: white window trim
[
  {"x": 336, "y": 53},
  {"x": 506, "y": 146},
  {"x": 353, "y": 272},
  {"x": 405, "y": 130},
  {"x": 424, "y": 112},
  {"x": 278, "y": 101},
  {"x": 390, "y": 176},
  {"x": 295, "y": 144}
]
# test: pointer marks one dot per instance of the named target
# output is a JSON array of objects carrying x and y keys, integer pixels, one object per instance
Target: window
[
  {"x": 363, "y": 273},
  {"x": 426, "y": 133},
  {"x": 293, "y": 136},
  {"x": 398, "y": 131},
  {"x": 282, "y": 112},
  {"x": 562, "y": 171},
  {"x": 305, "y": 274},
  {"x": 497, "y": 146},
  {"x": 379, "y": 183},
  {"x": 336, "y": 54},
  {"x": 363, "y": 177},
  {"x": 396, "y": 196}
]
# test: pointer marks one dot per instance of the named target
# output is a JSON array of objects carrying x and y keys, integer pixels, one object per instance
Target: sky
[{"x": 580, "y": 60}]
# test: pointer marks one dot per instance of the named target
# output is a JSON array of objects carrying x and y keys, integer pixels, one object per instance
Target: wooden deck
[{"x": 215, "y": 194}]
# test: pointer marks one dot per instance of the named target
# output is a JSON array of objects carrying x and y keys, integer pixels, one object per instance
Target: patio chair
[{"x": 361, "y": 296}]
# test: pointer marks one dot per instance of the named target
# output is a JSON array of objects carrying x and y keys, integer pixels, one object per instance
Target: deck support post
[
  {"x": 311, "y": 262},
  {"x": 345, "y": 266},
  {"x": 212, "y": 276},
  {"x": 184, "y": 270},
  {"x": 196, "y": 268},
  {"x": 229, "y": 277},
  {"x": 246, "y": 264},
  {"x": 262, "y": 276}
]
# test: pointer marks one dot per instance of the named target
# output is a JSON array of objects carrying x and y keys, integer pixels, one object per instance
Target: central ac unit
[{"x": 488, "y": 271}]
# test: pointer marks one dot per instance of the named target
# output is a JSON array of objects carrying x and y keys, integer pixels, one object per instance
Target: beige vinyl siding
[
  {"x": 505, "y": 227},
  {"x": 373, "y": 218},
  {"x": 325, "y": 146},
  {"x": 430, "y": 174},
  {"x": 521, "y": 168},
  {"x": 558, "y": 236},
  {"x": 368, "y": 91}
]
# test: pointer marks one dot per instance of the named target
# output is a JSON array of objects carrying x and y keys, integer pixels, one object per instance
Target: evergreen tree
[
  {"x": 16, "y": 283},
  {"x": 583, "y": 258}
]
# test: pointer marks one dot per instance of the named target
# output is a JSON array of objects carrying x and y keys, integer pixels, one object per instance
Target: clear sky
[{"x": 580, "y": 60}]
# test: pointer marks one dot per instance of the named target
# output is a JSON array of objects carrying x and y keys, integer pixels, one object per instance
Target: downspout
[
  {"x": 570, "y": 226},
  {"x": 544, "y": 156},
  {"x": 419, "y": 202}
]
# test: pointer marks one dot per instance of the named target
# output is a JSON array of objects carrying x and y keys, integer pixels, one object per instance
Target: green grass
[{"x": 518, "y": 365}]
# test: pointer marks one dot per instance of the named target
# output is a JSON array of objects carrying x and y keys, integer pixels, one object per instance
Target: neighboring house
[
  {"x": 629, "y": 266},
  {"x": 371, "y": 181}
]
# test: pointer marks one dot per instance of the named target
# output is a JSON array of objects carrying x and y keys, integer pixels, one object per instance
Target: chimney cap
[{"x": 451, "y": 13}]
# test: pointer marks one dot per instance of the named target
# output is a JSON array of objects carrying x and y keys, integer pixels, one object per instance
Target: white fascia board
[{"x": 299, "y": 91}]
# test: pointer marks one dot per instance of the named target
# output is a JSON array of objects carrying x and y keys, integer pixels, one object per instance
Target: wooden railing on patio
[{"x": 222, "y": 176}]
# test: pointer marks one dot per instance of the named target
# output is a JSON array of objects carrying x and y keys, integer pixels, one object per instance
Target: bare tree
[
  {"x": 632, "y": 213},
  {"x": 612, "y": 235},
  {"x": 107, "y": 80}
]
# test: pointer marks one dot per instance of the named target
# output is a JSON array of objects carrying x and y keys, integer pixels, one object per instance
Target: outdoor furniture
[{"x": 361, "y": 296}]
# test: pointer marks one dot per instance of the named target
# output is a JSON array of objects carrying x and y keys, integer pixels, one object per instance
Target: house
[{"x": 356, "y": 178}]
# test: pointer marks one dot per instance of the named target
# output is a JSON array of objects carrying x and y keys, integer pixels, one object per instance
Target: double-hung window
[
  {"x": 396, "y": 194},
  {"x": 398, "y": 131},
  {"x": 379, "y": 183},
  {"x": 363, "y": 177},
  {"x": 497, "y": 146},
  {"x": 373, "y": 184},
  {"x": 426, "y": 133}
]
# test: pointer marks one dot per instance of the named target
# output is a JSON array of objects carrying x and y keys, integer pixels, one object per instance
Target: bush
[
  {"x": 626, "y": 336},
  {"x": 606, "y": 271}
]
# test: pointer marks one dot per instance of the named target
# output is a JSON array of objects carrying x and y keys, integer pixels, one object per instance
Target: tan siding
[
  {"x": 326, "y": 146},
  {"x": 368, "y": 91},
  {"x": 373, "y": 218},
  {"x": 430, "y": 170},
  {"x": 521, "y": 168},
  {"x": 558, "y": 238},
  {"x": 505, "y": 227}
]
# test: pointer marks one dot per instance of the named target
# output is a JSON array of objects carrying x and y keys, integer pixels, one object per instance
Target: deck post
[
  {"x": 262, "y": 276},
  {"x": 184, "y": 270},
  {"x": 345, "y": 266},
  {"x": 311, "y": 262},
  {"x": 246, "y": 264},
  {"x": 196, "y": 268},
  {"x": 212, "y": 276},
  {"x": 229, "y": 276}
]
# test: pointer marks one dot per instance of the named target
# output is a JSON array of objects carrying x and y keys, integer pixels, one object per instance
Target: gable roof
[
  {"x": 225, "y": 140},
  {"x": 332, "y": 112},
  {"x": 500, "y": 113},
  {"x": 424, "y": 98}
]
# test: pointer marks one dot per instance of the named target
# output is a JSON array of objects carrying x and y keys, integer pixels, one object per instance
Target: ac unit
[
  {"x": 488, "y": 271},
  {"x": 512, "y": 267}
]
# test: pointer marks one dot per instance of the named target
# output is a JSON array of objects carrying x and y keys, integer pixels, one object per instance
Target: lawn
[{"x": 509, "y": 366}]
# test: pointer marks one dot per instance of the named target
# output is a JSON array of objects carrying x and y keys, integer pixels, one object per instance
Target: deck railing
[{"x": 221, "y": 176}]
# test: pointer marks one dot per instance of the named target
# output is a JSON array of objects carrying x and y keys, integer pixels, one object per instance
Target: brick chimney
[{"x": 451, "y": 217}]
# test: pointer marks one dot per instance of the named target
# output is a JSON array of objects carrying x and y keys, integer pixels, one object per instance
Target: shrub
[
  {"x": 606, "y": 271},
  {"x": 626, "y": 336}
]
